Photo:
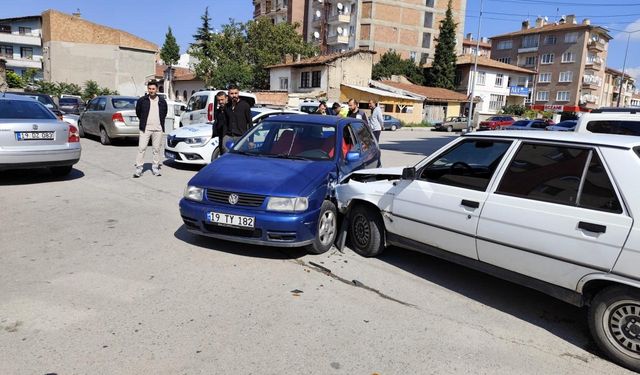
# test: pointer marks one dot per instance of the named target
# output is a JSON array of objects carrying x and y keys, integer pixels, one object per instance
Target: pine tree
[
  {"x": 443, "y": 71},
  {"x": 170, "y": 52},
  {"x": 203, "y": 35}
]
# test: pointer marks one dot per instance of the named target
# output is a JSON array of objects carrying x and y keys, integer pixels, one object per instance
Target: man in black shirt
[
  {"x": 220, "y": 119},
  {"x": 238, "y": 117}
]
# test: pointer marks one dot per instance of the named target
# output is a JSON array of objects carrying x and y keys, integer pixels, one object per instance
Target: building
[
  {"x": 179, "y": 84},
  {"x": 611, "y": 89},
  {"x": 470, "y": 46},
  {"x": 405, "y": 26},
  {"x": 321, "y": 76},
  {"x": 569, "y": 59},
  {"x": 289, "y": 11},
  {"x": 3, "y": 75},
  {"x": 405, "y": 107},
  {"x": 21, "y": 44},
  {"x": 76, "y": 50},
  {"x": 635, "y": 100}
]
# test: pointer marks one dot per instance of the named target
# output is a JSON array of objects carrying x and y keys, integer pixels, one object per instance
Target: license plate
[
  {"x": 34, "y": 136},
  {"x": 231, "y": 220},
  {"x": 169, "y": 155},
  {"x": 134, "y": 120}
]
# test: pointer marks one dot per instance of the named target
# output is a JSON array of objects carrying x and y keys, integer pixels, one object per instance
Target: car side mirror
[
  {"x": 409, "y": 173},
  {"x": 352, "y": 156},
  {"x": 229, "y": 145},
  {"x": 183, "y": 108}
]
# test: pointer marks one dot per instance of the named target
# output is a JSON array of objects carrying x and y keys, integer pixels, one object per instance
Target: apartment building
[
  {"x": 409, "y": 27},
  {"x": 611, "y": 89},
  {"x": 569, "y": 59},
  {"x": 279, "y": 11},
  {"x": 20, "y": 44},
  {"x": 470, "y": 46}
]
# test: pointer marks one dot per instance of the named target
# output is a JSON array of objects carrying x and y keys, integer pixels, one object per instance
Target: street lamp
[{"x": 475, "y": 72}]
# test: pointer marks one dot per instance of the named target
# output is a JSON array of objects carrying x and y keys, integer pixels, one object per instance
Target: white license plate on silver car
[
  {"x": 34, "y": 136},
  {"x": 231, "y": 220}
]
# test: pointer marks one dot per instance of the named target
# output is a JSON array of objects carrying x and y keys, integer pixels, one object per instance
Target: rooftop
[
  {"x": 474, "y": 42},
  {"x": 485, "y": 61},
  {"x": 321, "y": 59},
  {"x": 429, "y": 93},
  {"x": 554, "y": 27}
]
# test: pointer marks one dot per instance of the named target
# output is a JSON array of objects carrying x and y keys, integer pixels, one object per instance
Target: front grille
[
  {"x": 247, "y": 200},
  {"x": 173, "y": 141},
  {"x": 236, "y": 232}
]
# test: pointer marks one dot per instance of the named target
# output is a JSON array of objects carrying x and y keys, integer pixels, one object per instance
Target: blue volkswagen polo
[{"x": 275, "y": 186}]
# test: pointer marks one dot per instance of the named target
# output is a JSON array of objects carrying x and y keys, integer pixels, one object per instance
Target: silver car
[
  {"x": 110, "y": 117},
  {"x": 31, "y": 136}
]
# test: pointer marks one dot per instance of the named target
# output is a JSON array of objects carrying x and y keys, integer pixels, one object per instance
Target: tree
[
  {"x": 203, "y": 35},
  {"x": 29, "y": 75},
  {"x": 91, "y": 90},
  {"x": 69, "y": 88},
  {"x": 170, "y": 52},
  {"x": 14, "y": 80},
  {"x": 443, "y": 71},
  {"x": 391, "y": 63}
]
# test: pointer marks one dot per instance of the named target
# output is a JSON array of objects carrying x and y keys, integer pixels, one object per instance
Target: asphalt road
[{"x": 98, "y": 276}]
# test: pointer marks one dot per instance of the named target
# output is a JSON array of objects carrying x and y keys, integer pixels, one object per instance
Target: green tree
[
  {"x": 170, "y": 52},
  {"x": 514, "y": 109},
  {"x": 29, "y": 75},
  {"x": 391, "y": 63},
  {"x": 46, "y": 87},
  {"x": 69, "y": 88},
  {"x": 203, "y": 36},
  {"x": 443, "y": 71},
  {"x": 91, "y": 90},
  {"x": 14, "y": 80}
]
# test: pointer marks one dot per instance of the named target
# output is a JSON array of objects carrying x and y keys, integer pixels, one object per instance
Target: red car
[{"x": 496, "y": 122}]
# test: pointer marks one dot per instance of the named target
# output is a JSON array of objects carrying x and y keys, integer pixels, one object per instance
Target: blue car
[{"x": 276, "y": 185}]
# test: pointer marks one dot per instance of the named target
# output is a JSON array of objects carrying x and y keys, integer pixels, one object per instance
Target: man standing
[
  {"x": 376, "y": 120},
  {"x": 220, "y": 119},
  {"x": 322, "y": 108},
  {"x": 238, "y": 117},
  {"x": 151, "y": 111},
  {"x": 355, "y": 112}
]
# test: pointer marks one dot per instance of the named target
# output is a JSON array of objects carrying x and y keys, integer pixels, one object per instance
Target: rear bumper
[
  {"x": 38, "y": 159},
  {"x": 124, "y": 131}
]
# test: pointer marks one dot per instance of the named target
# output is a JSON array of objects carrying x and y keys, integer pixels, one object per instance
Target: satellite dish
[
  {"x": 340, "y": 6},
  {"x": 316, "y": 35},
  {"x": 318, "y": 13},
  {"x": 339, "y": 30}
]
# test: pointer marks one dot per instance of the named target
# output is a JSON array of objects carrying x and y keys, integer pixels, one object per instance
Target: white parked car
[
  {"x": 201, "y": 106},
  {"x": 194, "y": 144},
  {"x": 611, "y": 121},
  {"x": 553, "y": 211}
]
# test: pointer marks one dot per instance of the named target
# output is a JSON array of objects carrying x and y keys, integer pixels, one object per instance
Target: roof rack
[{"x": 631, "y": 110}]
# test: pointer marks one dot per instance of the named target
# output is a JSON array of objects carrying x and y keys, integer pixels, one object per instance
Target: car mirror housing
[
  {"x": 352, "y": 156},
  {"x": 229, "y": 145},
  {"x": 409, "y": 173}
]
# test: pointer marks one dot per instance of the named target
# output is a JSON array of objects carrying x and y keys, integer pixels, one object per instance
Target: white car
[
  {"x": 201, "y": 105},
  {"x": 194, "y": 144},
  {"x": 611, "y": 121},
  {"x": 554, "y": 211}
]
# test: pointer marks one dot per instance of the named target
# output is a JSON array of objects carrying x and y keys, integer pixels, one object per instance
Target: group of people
[{"x": 375, "y": 121}]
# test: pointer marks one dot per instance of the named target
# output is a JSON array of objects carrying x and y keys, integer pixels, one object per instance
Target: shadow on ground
[
  {"x": 35, "y": 176},
  {"x": 124, "y": 142},
  {"x": 181, "y": 166},
  {"x": 417, "y": 146},
  {"x": 237, "y": 248}
]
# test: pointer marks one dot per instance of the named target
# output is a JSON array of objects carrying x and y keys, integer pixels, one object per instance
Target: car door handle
[
  {"x": 596, "y": 228},
  {"x": 470, "y": 204}
]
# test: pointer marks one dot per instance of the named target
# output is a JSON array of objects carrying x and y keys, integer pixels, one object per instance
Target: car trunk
[
  {"x": 130, "y": 118},
  {"x": 33, "y": 133}
]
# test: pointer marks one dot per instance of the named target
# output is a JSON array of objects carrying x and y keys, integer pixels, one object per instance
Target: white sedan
[
  {"x": 194, "y": 144},
  {"x": 553, "y": 211}
]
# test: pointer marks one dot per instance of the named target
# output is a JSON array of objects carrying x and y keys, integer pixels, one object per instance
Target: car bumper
[
  {"x": 183, "y": 153},
  {"x": 270, "y": 229},
  {"x": 125, "y": 131},
  {"x": 39, "y": 158}
]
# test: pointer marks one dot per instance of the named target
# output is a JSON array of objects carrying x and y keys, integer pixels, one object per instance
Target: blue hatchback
[{"x": 275, "y": 186}]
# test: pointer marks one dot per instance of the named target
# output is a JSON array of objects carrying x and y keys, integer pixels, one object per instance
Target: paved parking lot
[{"x": 99, "y": 276}]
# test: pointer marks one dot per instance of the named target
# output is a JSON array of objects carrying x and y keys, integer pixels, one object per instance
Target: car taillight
[
  {"x": 117, "y": 117},
  {"x": 74, "y": 136},
  {"x": 210, "y": 112}
]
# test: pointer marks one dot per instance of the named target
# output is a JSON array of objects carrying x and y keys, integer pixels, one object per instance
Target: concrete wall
[
  {"x": 354, "y": 70},
  {"x": 189, "y": 87},
  {"x": 274, "y": 78}
]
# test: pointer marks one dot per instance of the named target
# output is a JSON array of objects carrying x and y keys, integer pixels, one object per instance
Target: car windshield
[
  {"x": 566, "y": 124},
  {"x": 68, "y": 101},
  {"x": 24, "y": 109},
  {"x": 521, "y": 123},
  {"x": 124, "y": 103},
  {"x": 287, "y": 140},
  {"x": 254, "y": 113},
  {"x": 494, "y": 119}
]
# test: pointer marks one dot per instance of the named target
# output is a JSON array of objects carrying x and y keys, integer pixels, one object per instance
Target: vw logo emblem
[
  {"x": 35, "y": 127},
  {"x": 233, "y": 198}
]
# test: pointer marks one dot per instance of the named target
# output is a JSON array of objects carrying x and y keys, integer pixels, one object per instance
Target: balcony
[
  {"x": 25, "y": 40},
  {"x": 596, "y": 46},
  {"x": 338, "y": 39},
  {"x": 594, "y": 63},
  {"x": 339, "y": 18},
  {"x": 591, "y": 82},
  {"x": 528, "y": 49},
  {"x": 316, "y": 22},
  {"x": 24, "y": 63},
  {"x": 589, "y": 98}
]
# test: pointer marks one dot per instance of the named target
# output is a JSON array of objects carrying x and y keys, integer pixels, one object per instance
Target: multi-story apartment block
[
  {"x": 611, "y": 88},
  {"x": 569, "y": 59},
  {"x": 470, "y": 46},
  {"x": 289, "y": 11},
  {"x": 20, "y": 43},
  {"x": 408, "y": 27}
]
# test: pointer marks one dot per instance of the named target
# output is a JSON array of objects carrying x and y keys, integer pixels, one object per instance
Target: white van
[
  {"x": 624, "y": 121},
  {"x": 202, "y": 104}
]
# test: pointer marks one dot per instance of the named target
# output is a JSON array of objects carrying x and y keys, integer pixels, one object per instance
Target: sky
[{"x": 150, "y": 19}]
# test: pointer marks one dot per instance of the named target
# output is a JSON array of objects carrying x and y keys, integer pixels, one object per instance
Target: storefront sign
[{"x": 518, "y": 91}]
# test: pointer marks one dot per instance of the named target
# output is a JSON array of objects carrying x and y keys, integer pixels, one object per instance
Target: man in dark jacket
[
  {"x": 220, "y": 119},
  {"x": 238, "y": 117},
  {"x": 356, "y": 112},
  {"x": 151, "y": 111}
]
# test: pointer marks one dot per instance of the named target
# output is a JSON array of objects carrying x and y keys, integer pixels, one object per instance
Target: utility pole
[
  {"x": 624, "y": 65},
  {"x": 474, "y": 75}
]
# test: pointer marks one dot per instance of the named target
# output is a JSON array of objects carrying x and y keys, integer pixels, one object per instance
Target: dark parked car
[
  {"x": 564, "y": 126},
  {"x": 528, "y": 125},
  {"x": 451, "y": 124},
  {"x": 71, "y": 104},
  {"x": 44, "y": 99},
  {"x": 496, "y": 122},
  {"x": 391, "y": 123}
]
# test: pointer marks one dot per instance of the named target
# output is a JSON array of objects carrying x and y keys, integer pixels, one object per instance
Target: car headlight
[
  {"x": 194, "y": 193},
  {"x": 297, "y": 204},
  {"x": 197, "y": 141}
]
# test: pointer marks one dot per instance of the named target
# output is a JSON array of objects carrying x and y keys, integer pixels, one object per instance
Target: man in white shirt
[{"x": 376, "y": 120}]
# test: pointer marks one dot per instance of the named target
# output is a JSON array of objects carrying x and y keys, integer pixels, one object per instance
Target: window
[
  {"x": 412, "y": 56},
  {"x": 497, "y": 101},
  {"x": 401, "y": 108},
  {"x": 481, "y": 78},
  {"x": 6, "y": 51},
  {"x": 429, "y": 3},
  {"x": 547, "y": 58},
  {"x": 101, "y": 104},
  {"x": 315, "y": 78},
  {"x": 305, "y": 81},
  {"x": 388, "y": 107},
  {"x": 499, "y": 79},
  {"x": 626, "y": 127},
  {"x": 571, "y": 37},
  {"x": 542, "y": 96},
  {"x": 284, "y": 83},
  {"x": 423, "y": 58},
  {"x": 597, "y": 191},
  {"x": 562, "y": 96},
  {"x": 544, "y": 78},
  {"x": 568, "y": 57},
  {"x": 24, "y": 30},
  {"x": 364, "y": 135},
  {"x": 505, "y": 44},
  {"x": 470, "y": 164},
  {"x": 522, "y": 81},
  {"x": 26, "y": 52},
  {"x": 530, "y": 61},
  {"x": 550, "y": 40},
  {"x": 428, "y": 20},
  {"x": 566, "y": 77},
  {"x": 506, "y": 60},
  {"x": 6, "y": 29},
  {"x": 426, "y": 40},
  {"x": 530, "y": 41}
]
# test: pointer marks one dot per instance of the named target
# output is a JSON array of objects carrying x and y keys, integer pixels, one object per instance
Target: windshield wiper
[
  {"x": 246, "y": 153},
  {"x": 286, "y": 156}
]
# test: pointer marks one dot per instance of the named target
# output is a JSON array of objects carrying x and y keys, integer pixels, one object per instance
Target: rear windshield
[
  {"x": 23, "y": 109},
  {"x": 124, "y": 103},
  {"x": 614, "y": 127},
  {"x": 521, "y": 123},
  {"x": 64, "y": 101}
]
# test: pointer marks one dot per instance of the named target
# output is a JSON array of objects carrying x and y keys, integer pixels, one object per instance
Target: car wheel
[
  {"x": 326, "y": 230},
  {"x": 61, "y": 171},
  {"x": 366, "y": 231},
  {"x": 104, "y": 137},
  {"x": 394, "y": 128},
  {"x": 449, "y": 129},
  {"x": 614, "y": 321},
  {"x": 215, "y": 154},
  {"x": 80, "y": 130}
]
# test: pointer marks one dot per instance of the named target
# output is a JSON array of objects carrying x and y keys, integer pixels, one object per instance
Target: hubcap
[
  {"x": 622, "y": 320},
  {"x": 103, "y": 136},
  {"x": 327, "y": 227},
  {"x": 361, "y": 231}
]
